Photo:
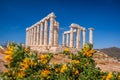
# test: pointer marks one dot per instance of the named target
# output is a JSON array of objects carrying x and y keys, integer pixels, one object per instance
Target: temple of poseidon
[{"x": 43, "y": 36}]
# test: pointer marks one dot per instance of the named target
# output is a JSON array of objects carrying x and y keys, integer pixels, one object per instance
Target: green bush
[{"x": 24, "y": 65}]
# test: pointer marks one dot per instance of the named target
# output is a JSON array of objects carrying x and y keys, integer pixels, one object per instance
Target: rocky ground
[{"x": 105, "y": 62}]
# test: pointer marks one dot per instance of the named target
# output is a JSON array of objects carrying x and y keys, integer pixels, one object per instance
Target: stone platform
[{"x": 54, "y": 50}]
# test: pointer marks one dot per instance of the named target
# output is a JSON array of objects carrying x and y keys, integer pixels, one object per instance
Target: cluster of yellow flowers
[
  {"x": 88, "y": 51},
  {"x": 75, "y": 71},
  {"x": 45, "y": 73},
  {"x": 44, "y": 58},
  {"x": 9, "y": 53},
  {"x": 75, "y": 62},
  {"x": 26, "y": 50},
  {"x": 108, "y": 77},
  {"x": 67, "y": 49},
  {"x": 63, "y": 69},
  {"x": 20, "y": 73},
  {"x": 27, "y": 62}
]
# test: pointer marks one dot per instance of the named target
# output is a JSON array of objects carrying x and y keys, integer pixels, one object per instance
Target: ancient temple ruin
[
  {"x": 75, "y": 28},
  {"x": 43, "y": 35}
]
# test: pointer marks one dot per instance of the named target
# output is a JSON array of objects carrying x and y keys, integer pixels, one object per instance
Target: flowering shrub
[
  {"x": 23, "y": 65},
  {"x": 66, "y": 51}
]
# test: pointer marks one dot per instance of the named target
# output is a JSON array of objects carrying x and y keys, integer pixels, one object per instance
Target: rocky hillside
[{"x": 113, "y": 52}]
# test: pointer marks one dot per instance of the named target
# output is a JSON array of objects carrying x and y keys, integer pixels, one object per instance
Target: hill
[{"x": 112, "y": 51}]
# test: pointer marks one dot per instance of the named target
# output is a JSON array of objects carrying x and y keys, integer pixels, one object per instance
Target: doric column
[
  {"x": 34, "y": 35},
  {"x": 78, "y": 39},
  {"x": 37, "y": 41},
  {"x": 84, "y": 36},
  {"x": 67, "y": 39},
  {"x": 46, "y": 33},
  {"x": 56, "y": 27},
  {"x": 63, "y": 39},
  {"x": 27, "y": 36},
  {"x": 51, "y": 39},
  {"x": 41, "y": 33},
  {"x": 91, "y": 35},
  {"x": 71, "y": 37}
]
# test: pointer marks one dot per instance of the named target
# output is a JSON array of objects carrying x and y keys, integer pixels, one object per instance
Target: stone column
[
  {"x": 27, "y": 36},
  {"x": 78, "y": 39},
  {"x": 37, "y": 40},
  {"x": 46, "y": 33},
  {"x": 34, "y": 35},
  {"x": 67, "y": 39},
  {"x": 51, "y": 39},
  {"x": 63, "y": 39},
  {"x": 84, "y": 36},
  {"x": 56, "y": 27},
  {"x": 91, "y": 35},
  {"x": 41, "y": 33},
  {"x": 71, "y": 37}
]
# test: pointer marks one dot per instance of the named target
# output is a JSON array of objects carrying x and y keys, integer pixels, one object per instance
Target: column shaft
[
  {"x": 71, "y": 37},
  {"x": 91, "y": 35},
  {"x": 41, "y": 34},
  {"x": 37, "y": 41},
  {"x": 34, "y": 35},
  {"x": 56, "y": 35},
  {"x": 63, "y": 39},
  {"x": 67, "y": 39},
  {"x": 51, "y": 39},
  {"x": 46, "y": 33},
  {"x": 78, "y": 39},
  {"x": 26, "y": 37},
  {"x": 84, "y": 36}
]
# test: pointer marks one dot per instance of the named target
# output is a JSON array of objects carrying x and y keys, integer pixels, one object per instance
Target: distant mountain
[{"x": 112, "y": 51}]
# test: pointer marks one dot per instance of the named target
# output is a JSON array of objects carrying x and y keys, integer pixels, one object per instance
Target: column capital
[
  {"x": 42, "y": 21},
  {"x": 52, "y": 15},
  {"x": 84, "y": 29},
  {"x": 27, "y": 29},
  {"x": 90, "y": 28},
  {"x": 56, "y": 23}
]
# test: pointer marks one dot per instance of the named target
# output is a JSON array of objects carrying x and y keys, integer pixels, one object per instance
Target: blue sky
[{"x": 103, "y": 15}]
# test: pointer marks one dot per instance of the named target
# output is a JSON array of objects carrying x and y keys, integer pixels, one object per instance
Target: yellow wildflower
[
  {"x": 44, "y": 61},
  {"x": 67, "y": 49},
  {"x": 55, "y": 63},
  {"x": 88, "y": 53},
  {"x": 76, "y": 72},
  {"x": 56, "y": 70},
  {"x": 75, "y": 61},
  {"x": 8, "y": 52},
  {"x": 26, "y": 60},
  {"x": 45, "y": 73},
  {"x": 32, "y": 63},
  {"x": 8, "y": 58},
  {"x": 73, "y": 69},
  {"x": 44, "y": 56},
  {"x": 7, "y": 71},
  {"x": 10, "y": 48},
  {"x": 63, "y": 69},
  {"x": 24, "y": 66},
  {"x": 20, "y": 74},
  {"x": 109, "y": 76},
  {"x": 26, "y": 50}
]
